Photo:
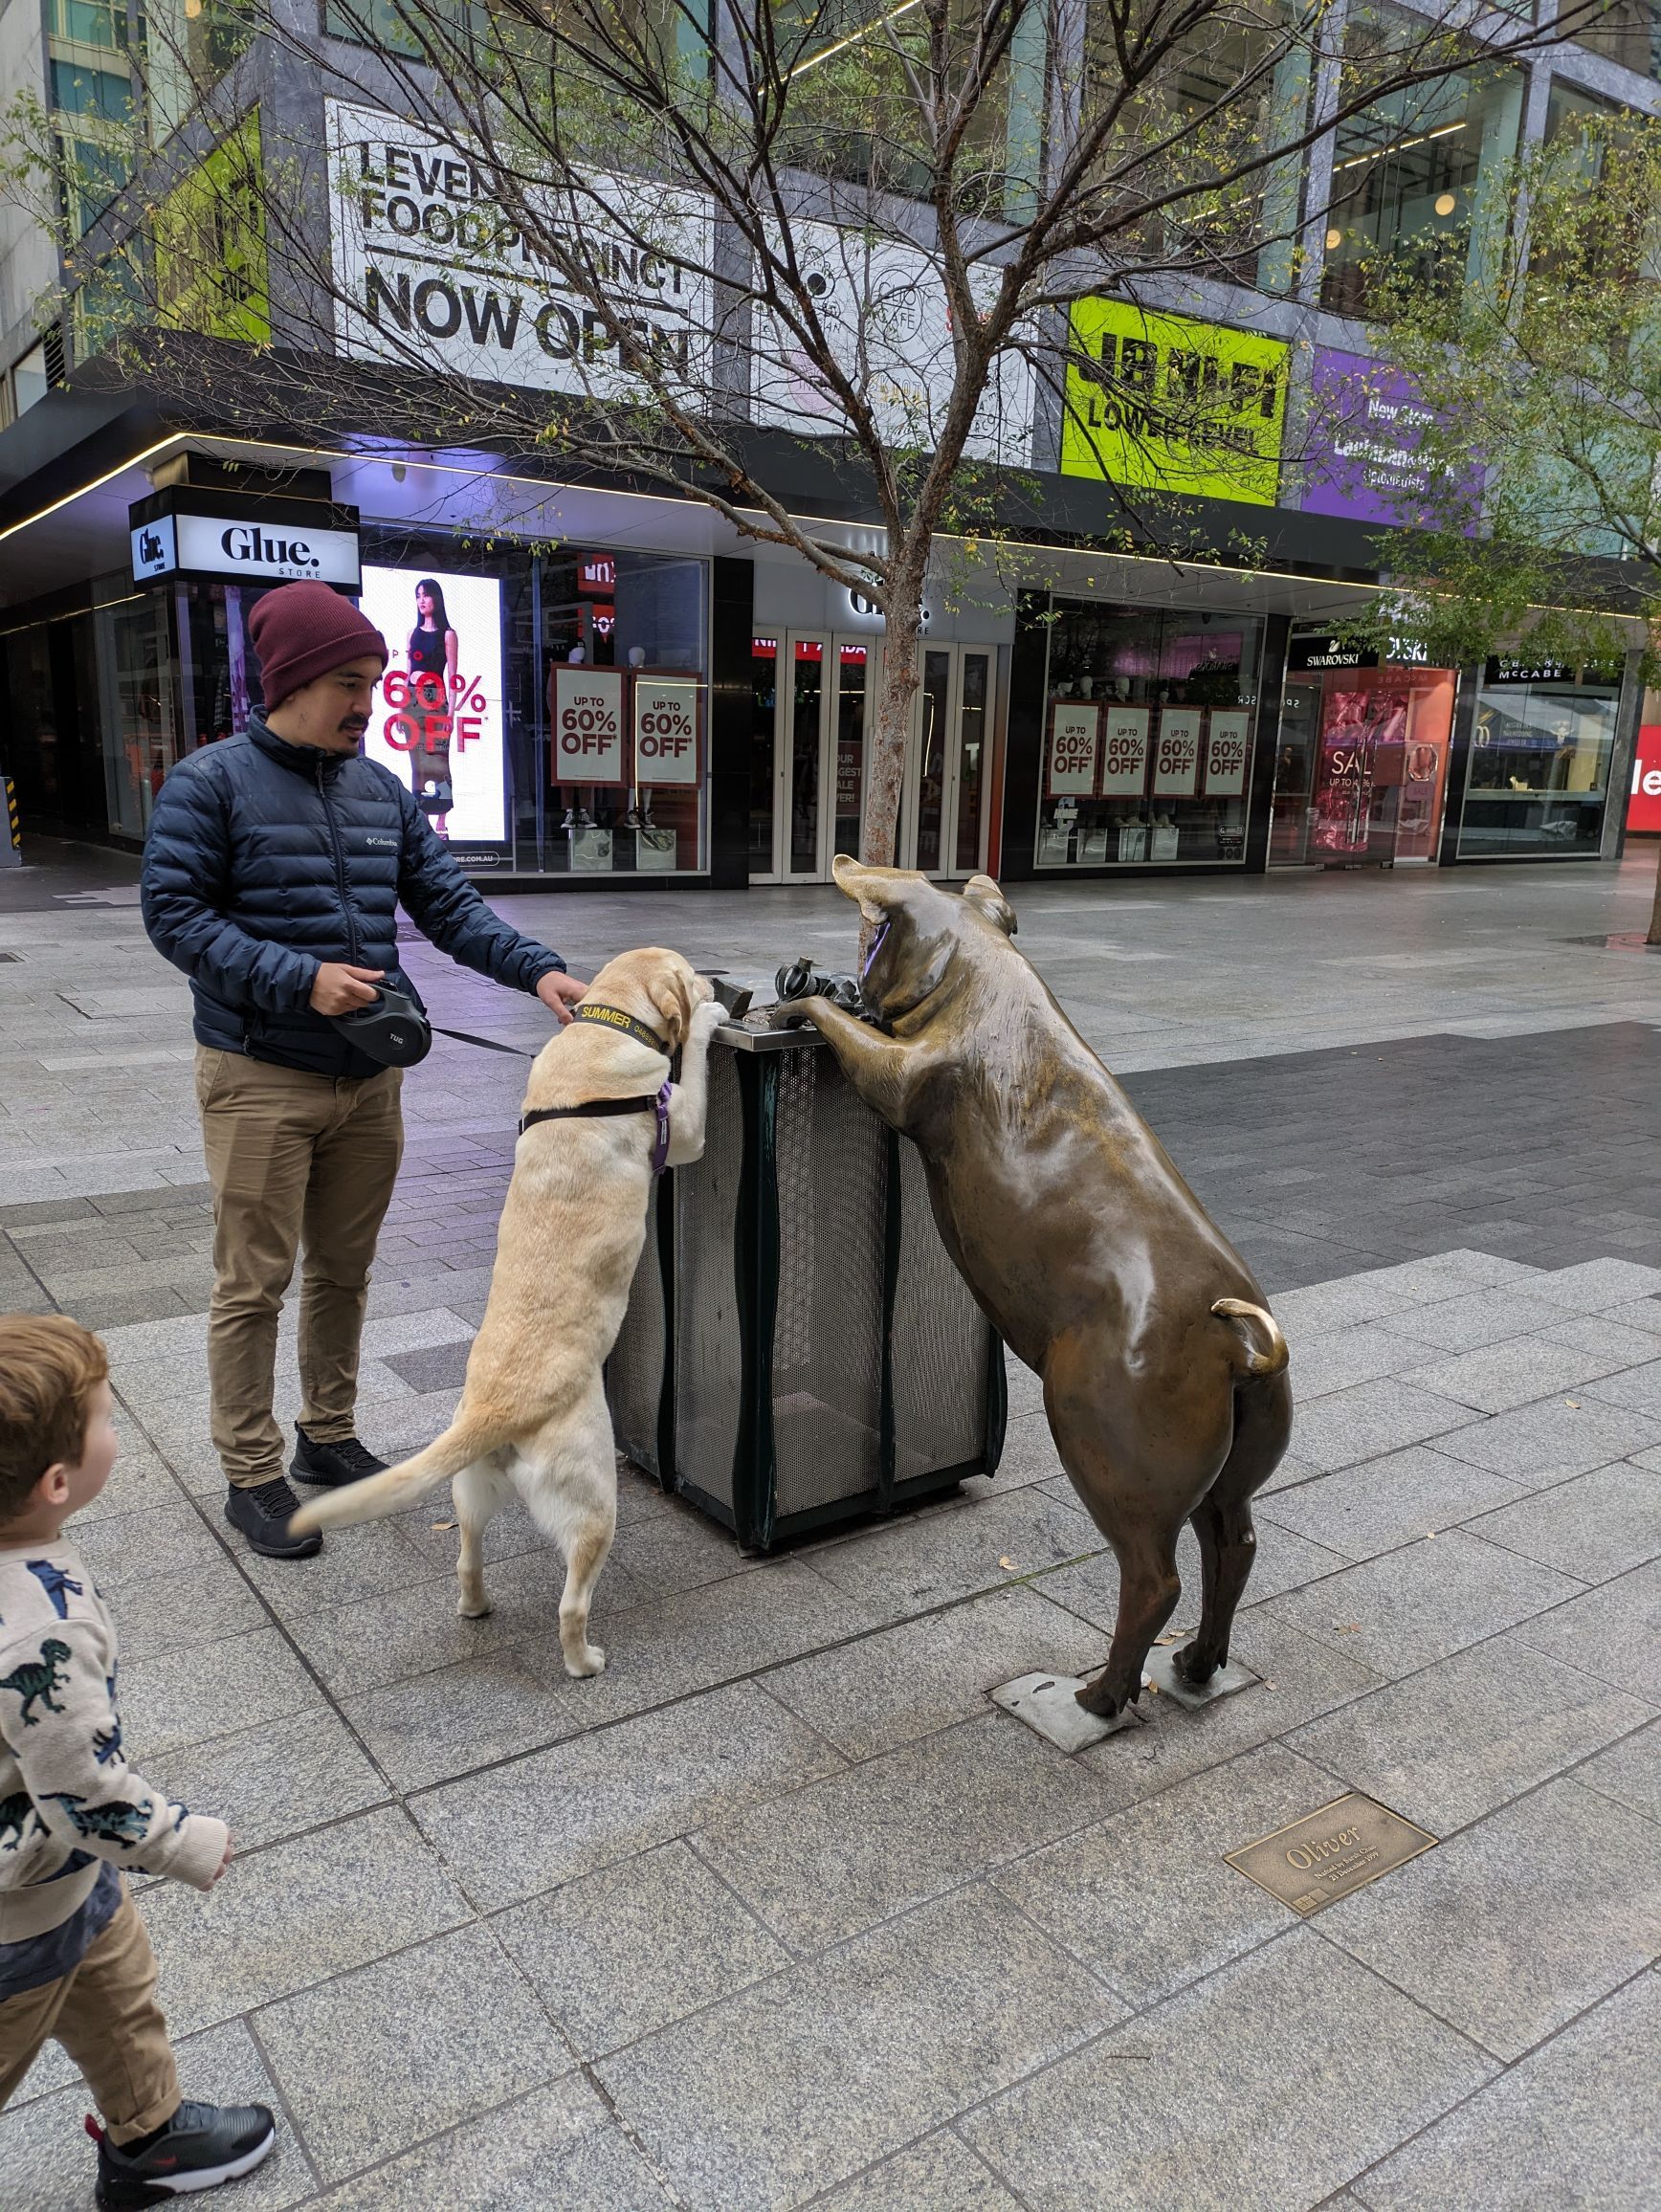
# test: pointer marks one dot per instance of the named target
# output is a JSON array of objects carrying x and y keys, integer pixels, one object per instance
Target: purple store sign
[{"x": 1366, "y": 429}]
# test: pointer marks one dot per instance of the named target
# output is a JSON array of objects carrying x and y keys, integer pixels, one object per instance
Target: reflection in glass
[
  {"x": 971, "y": 758},
  {"x": 1540, "y": 768},
  {"x": 763, "y": 696},
  {"x": 850, "y": 746},
  {"x": 808, "y": 669},
  {"x": 933, "y": 705}
]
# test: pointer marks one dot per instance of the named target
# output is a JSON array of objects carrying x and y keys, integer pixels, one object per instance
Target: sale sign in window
[
  {"x": 666, "y": 725},
  {"x": 1177, "y": 753},
  {"x": 1227, "y": 748},
  {"x": 438, "y": 722},
  {"x": 1644, "y": 809},
  {"x": 1074, "y": 730},
  {"x": 1124, "y": 769},
  {"x": 587, "y": 743}
]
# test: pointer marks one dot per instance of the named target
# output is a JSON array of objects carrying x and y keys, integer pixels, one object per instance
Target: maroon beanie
[{"x": 303, "y": 630}]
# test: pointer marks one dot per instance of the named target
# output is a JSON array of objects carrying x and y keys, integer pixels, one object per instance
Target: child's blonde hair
[{"x": 48, "y": 1368}]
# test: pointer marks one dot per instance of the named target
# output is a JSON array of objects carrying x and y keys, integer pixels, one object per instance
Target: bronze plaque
[{"x": 1328, "y": 1854}]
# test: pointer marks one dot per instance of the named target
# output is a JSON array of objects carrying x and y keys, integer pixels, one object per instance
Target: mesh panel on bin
[
  {"x": 827, "y": 1335},
  {"x": 708, "y": 1351},
  {"x": 941, "y": 1344},
  {"x": 635, "y": 1371}
]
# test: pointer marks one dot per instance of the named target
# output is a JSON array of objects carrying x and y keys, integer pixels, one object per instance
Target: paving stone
[
  {"x": 50, "y": 2166},
  {"x": 1640, "y": 1314},
  {"x": 1596, "y": 1283},
  {"x": 938, "y": 2175},
  {"x": 190, "y": 1696},
  {"x": 636, "y": 1947},
  {"x": 1462, "y": 1737},
  {"x": 376, "y": 2060},
  {"x": 1595, "y": 1527},
  {"x": 451, "y": 1721},
  {"x": 795, "y": 2084},
  {"x": 1606, "y": 1337},
  {"x": 1629, "y": 1772},
  {"x": 914, "y": 1565},
  {"x": 1296, "y": 1680},
  {"x": 679, "y": 1549},
  {"x": 856, "y": 1848},
  {"x": 1362, "y": 1511},
  {"x": 901, "y": 1683},
  {"x": 1370, "y": 1421},
  {"x": 1613, "y": 1632},
  {"x": 1478, "y": 1317},
  {"x": 1638, "y": 1389},
  {"x": 1516, "y": 1373},
  {"x": 537, "y": 1822},
  {"x": 271, "y": 1782},
  {"x": 358, "y": 1889},
  {"x": 1266, "y": 2086},
  {"x": 1349, "y": 1303},
  {"x": 1546, "y": 1444},
  {"x": 559, "y": 2146},
  {"x": 1516, "y": 1924},
  {"x": 176, "y": 1614},
  {"x": 1337, "y": 1361},
  {"x": 1145, "y": 1897},
  {"x": 1572, "y": 2125},
  {"x": 1408, "y": 1608},
  {"x": 355, "y": 1563}
]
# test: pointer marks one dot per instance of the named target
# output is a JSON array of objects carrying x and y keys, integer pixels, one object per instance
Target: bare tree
[{"x": 650, "y": 240}]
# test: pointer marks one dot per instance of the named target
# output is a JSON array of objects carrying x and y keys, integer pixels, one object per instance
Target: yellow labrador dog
[{"x": 601, "y": 1119}]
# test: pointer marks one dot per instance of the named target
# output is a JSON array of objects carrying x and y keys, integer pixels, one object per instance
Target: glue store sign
[{"x": 588, "y": 726}]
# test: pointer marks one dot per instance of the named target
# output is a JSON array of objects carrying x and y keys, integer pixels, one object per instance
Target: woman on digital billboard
[{"x": 435, "y": 659}]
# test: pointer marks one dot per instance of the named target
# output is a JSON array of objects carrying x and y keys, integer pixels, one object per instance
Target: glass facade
[
  {"x": 1418, "y": 179},
  {"x": 1540, "y": 748},
  {"x": 1147, "y": 738},
  {"x": 1361, "y": 765}
]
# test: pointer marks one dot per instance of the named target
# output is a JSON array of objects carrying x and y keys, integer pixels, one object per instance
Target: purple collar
[{"x": 596, "y": 1109}]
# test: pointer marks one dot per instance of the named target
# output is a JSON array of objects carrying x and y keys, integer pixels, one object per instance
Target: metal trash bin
[{"x": 798, "y": 1348}]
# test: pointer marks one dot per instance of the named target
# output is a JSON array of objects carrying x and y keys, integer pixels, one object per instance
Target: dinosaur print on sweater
[
  {"x": 35, "y": 1680},
  {"x": 117, "y": 1824},
  {"x": 16, "y": 1811},
  {"x": 53, "y": 1581}
]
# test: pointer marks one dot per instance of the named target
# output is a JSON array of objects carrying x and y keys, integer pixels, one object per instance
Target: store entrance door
[
  {"x": 942, "y": 803},
  {"x": 820, "y": 683},
  {"x": 1360, "y": 770}
]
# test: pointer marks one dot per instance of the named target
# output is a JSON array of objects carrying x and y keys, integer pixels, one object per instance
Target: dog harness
[{"x": 599, "y": 1109}]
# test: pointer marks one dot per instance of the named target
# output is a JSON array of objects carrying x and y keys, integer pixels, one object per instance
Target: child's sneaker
[{"x": 201, "y": 2146}]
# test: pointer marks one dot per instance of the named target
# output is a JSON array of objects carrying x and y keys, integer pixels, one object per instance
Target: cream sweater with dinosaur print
[{"x": 67, "y": 1797}]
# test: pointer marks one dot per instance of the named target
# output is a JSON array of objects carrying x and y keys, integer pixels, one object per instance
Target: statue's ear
[
  {"x": 876, "y": 891},
  {"x": 984, "y": 896}
]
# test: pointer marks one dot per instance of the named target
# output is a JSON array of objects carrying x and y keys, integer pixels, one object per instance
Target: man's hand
[
  {"x": 338, "y": 988},
  {"x": 559, "y": 993}
]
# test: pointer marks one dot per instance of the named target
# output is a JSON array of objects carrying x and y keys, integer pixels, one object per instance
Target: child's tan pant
[{"x": 106, "y": 2017}]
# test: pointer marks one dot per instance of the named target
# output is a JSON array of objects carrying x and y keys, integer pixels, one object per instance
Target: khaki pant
[
  {"x": 106, "y": 2017},
  {"x": 294, "y": 1160}
]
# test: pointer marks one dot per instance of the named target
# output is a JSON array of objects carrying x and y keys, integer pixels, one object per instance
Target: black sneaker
[
  {"x": 331, "y": 1466},
  {"x": 263, "y": 1513},
  {"x": 201, "y": 2146}
]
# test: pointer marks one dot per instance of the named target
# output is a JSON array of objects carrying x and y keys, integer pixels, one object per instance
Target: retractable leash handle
[{"x": 391, "y": 1028}]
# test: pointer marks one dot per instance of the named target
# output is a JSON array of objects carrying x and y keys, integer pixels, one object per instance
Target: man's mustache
[{"x": 356, "y": 723}]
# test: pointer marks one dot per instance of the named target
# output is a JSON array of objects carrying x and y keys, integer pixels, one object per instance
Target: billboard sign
[
  {"x": 1174, "y": 404},
  {"x": 439, "y": 724},
  {"x": 429, "y": 266},
  {"x": 1367, "y": 424}
]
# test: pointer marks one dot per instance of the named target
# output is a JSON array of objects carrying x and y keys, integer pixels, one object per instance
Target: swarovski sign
[{"x": 246, "y": 549}]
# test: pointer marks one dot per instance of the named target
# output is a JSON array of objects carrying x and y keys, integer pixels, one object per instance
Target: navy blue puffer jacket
[{"x": 265, "y": 859}]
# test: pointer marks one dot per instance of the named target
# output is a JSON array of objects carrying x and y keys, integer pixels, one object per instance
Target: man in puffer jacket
[{"x": 273, "y": 873}]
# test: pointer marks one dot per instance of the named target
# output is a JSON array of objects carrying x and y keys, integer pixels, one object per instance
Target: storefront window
[
  {"x": 1418, "y": 180},
  {"x": 1540, "y": 750},
  {"x": 1147, "y": 740},
  {"x": 136, "y": 704},
  {"x": 1361, "y": 769}
]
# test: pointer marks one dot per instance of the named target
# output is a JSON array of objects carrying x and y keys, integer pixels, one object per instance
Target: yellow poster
[
  {"x": 1175, "y": 403},
  {"x": 211, "y": 259}
]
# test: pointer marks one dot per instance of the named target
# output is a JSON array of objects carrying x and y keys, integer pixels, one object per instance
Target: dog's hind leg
[
  {"x": 1148, "y": 1589},
  {"x": 1221, "y": 1520},
  {"x": 478, "y": 1491},
  {"x": 570, "y": 1477}
]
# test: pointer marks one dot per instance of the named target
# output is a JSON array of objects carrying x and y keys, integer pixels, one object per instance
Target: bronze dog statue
[{"x": 1165, "y": 1374}]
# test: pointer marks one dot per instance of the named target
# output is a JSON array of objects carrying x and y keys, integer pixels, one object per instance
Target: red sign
[
  {"x": 1177, "y": 753},
  {"x": 1124, "y": 769},
  {"x": 666, "y": 727},
  {"x": 1228, "y": 742},
  {"x": 1644, "y": 808}
]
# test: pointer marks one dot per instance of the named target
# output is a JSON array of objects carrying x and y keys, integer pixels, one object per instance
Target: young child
[{"x": 75, "y": 1960}]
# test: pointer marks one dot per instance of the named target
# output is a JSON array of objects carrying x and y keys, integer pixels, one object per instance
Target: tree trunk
[
  {"x": 890, "y": 727},
  {"x": 1654, "y": 935}
]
